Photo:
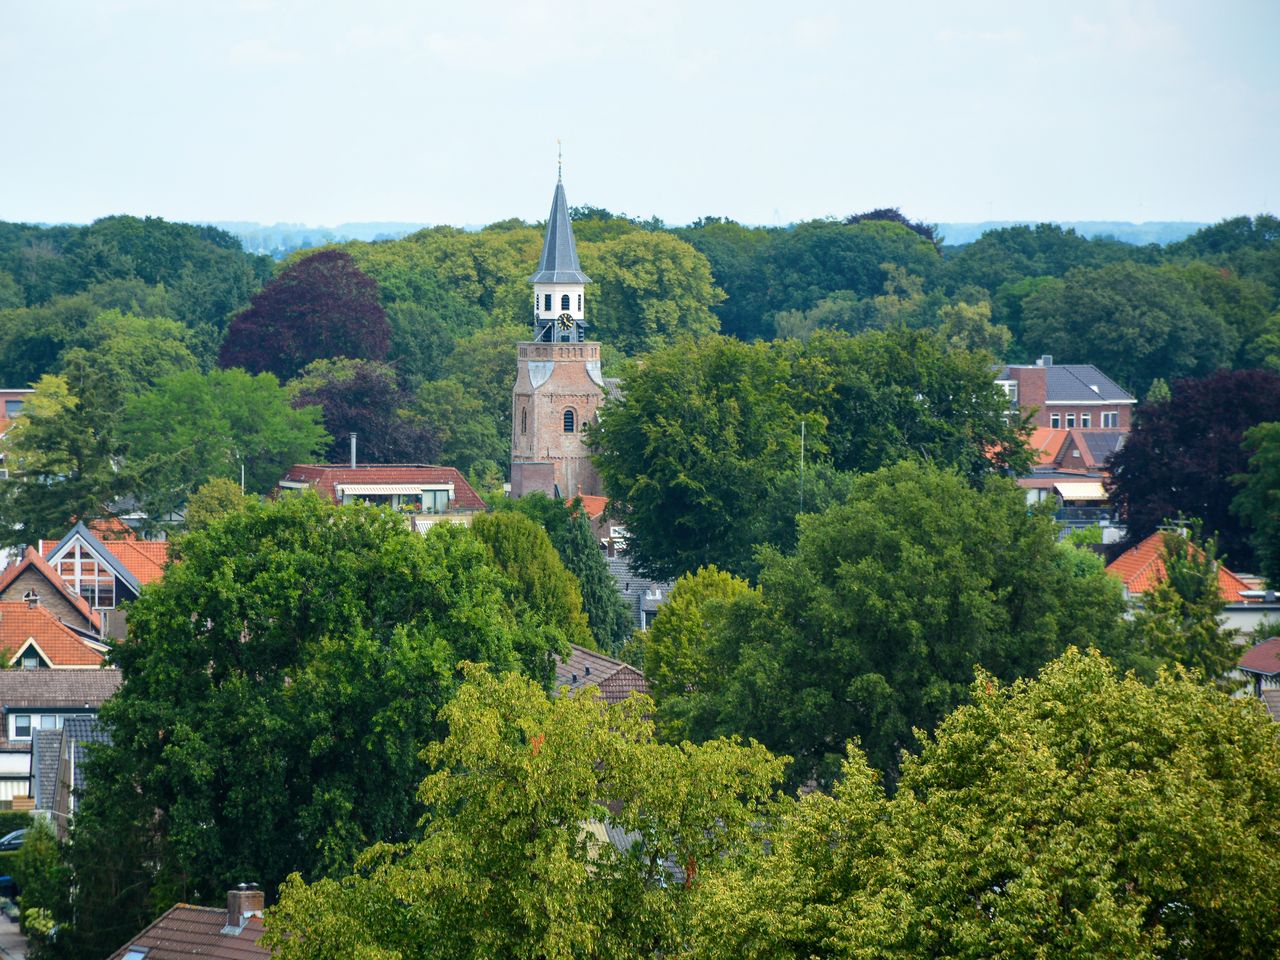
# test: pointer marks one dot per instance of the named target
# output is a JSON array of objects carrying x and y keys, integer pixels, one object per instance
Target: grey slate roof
[
  {"x": 559, "y": 263},
  {"x": 638, "y": 592},
  {"x": 45, "y": 752},
  {"x": 58, "y": 688},
  {"x": 1103, "y": 443},
  {"x": 1074, "y": 383},
  {"x": 82, "y": 731}
]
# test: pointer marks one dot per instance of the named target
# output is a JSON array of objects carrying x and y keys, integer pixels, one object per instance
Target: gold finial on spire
[{"x": 559, "y": 160}]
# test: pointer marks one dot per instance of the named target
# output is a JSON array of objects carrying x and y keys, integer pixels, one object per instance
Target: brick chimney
[{"x": 243, "y": 901}]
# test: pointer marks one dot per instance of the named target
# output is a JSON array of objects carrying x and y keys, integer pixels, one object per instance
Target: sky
[{"x": 321, "y": 112}]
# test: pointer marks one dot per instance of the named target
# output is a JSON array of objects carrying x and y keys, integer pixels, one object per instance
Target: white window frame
[
  {"x": 80, "y": 556},
  {"x": 1055, "y": 421},
  {"x": 1071, "y": 421},
  {"x": 1085, "y": 420},
  {"x": 1110, "y": 419}
]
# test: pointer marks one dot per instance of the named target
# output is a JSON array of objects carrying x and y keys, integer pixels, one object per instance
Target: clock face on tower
[{"x": 566, "y": 321}]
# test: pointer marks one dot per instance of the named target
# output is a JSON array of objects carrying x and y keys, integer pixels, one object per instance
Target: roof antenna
[{"x": 559, "y": 161}]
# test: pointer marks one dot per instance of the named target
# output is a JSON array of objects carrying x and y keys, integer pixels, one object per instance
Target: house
[
  {"x": 31, "y": 637},
  {"x": 615, "y": 679},
  {"x": 57, "y": 767},
  {"x": 31, "y": 579},
  {"x": 1141, "y": 567},
  {"x": 1067, "y": 396},
  {"x": 1261, "y": 664},
  {"x": 1072, "y": 467},
  {"x": 105, "y": 563},
  {"x": 11, "y": 402},
  {"x": 642, "y": 595},
  {"x": 186, "y": 932},
  {"x": 35, "y": 700},
  {"x": 426, "y": 494}
]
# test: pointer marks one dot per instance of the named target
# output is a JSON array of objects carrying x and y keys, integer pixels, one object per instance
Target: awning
[
  {"x": 1081, "y": 491},
  {"x": 382, "y": 489}
]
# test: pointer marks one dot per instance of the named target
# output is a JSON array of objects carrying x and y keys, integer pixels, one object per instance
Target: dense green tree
[
  {"x": 738, "y": 257},
  {"x": 679, "y": 655},
  {"x": 466, "y": 431},
  {"x": 137, "y": 351},
  {"x": 364, "y": 397},
  {"x": 570, "y": 533},
  {"x": 1013, "y": 254},
  {"x": 280, "y": 685},
  {"x": 648, "y": 288},
  {"x": 484, "y": 365},
  {"x": 897, "y": 394},
  {"x": 65, "y": 454},
  {"x": 319, "y": 307},
  {"x": 1134, "y": 322},
  {"x": 34, "y": 339},
  {"x": 1258, "y": 502},
  {"x": 1178, "y": 622},
  {"x": 1179, "y": 458},
  {"x": 691, "y": 447},
  {"x": 873, "y": 627},
  {"x": 193, "y": 427},
  {"x": 1073, "y": 815},
  {"x": 539, "y": 584},
  {"x": 512, "y": 862},
  {"x": 968, "y": 326},
  {"x": 43, "y": 876},
  {"x": 212, "y": 500}
]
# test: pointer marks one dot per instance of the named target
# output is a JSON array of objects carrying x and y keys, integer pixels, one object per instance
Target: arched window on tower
[
  {"x": 570, "y": 420},
  {"x": 524, "y": 420},
  {"x": 564, "y": 302}
]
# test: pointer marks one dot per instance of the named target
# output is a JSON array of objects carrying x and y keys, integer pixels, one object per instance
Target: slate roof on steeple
[{"x": 559, "y": 263}]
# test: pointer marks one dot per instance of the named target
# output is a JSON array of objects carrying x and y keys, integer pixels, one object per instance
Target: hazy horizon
[{"x": 280, "y": 111}]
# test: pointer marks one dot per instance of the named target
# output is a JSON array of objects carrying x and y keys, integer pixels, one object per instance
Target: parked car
[{"x": 12, "y": 841}]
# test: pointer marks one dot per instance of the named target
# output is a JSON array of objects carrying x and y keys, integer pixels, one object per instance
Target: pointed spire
[{"x": 559, "y": 263}]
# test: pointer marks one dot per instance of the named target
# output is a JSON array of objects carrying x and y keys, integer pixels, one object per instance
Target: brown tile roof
[
  {"x": 33, "y": 559},
  {"x": 59, "y": 644},
  {"x": 1140, "y": 568},
  {"x": 326, "y": 478},
  {"x": 184, "y": 932},
  {"x": 617, "y": 680},
  {"x": 1263, "y": 658}
]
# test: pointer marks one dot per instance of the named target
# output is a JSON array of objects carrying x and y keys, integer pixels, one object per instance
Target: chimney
[
  {"x": 353, "y": 451},
  {"x": 243, "y": 901}
]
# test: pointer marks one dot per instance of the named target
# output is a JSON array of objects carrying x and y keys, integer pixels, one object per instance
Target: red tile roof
[
  {"x": 59, "y": 644},
  {"x": 184, "y": 932},
  {"x": 1140, "y": 568},
  {"x": 615, "y": 679},
  {"x": 145, "y": 559},
  {"x": 33, "y": 559},
  {"x": 325, "y": 479},
  {"x": 1046, "y": 443},
  {"x": 1263, "y": 658},
  {"x": 593, "y": 506}
]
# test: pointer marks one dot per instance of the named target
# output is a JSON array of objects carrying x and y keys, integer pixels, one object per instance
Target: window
[
  {"x": 1085, "y": 420},
  {"x": 1055, "y": 421},
  {"x": 49, "y": 722},
  {"x": 435, "y": 501},
  {"x": 86, "y": 576},
  {"x": 12, "y": 408},
  {"x": 1071, "y": 421},
  {"x": 546, "y": 302},
  {"x": 30, "y": 660},
  {"x": 1110, "y": 419},
  {"x": 22, "y": 727},
  {"x": 564, "y": 302},
  {"x": 136, "y": 953},
  {"x": 570, "y": 421},
  {"x": 524, "y": 421},
  {"x": 579, "y": 303}
]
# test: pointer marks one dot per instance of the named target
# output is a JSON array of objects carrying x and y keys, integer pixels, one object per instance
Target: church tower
[{"x": 558, "y": 386}]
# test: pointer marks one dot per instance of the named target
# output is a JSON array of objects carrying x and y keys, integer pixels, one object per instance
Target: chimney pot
[{"x": 353, "y": 450}]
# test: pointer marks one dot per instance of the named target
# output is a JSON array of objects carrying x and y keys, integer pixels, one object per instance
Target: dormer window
[{"x": 564, "y": 302}]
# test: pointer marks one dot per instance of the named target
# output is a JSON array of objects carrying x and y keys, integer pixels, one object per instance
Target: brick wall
[{"x": 50, "y": 598}]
